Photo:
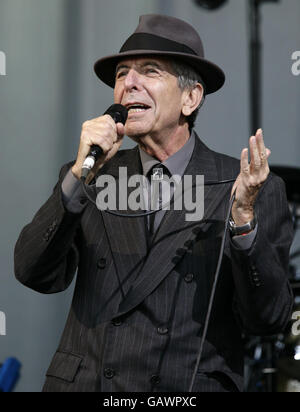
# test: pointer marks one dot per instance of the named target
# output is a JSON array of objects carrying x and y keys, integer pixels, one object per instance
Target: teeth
[{"x": 136, "y": 110}]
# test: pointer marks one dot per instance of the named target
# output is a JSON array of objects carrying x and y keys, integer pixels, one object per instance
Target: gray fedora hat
[{"x": 161, "y": 35}]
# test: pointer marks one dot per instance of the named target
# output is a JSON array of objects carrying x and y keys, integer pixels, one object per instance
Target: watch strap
[{"x": 241, "y": 230}]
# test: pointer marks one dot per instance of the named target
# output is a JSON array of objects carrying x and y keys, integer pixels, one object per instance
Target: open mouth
[{"x": 137, "y": 108}]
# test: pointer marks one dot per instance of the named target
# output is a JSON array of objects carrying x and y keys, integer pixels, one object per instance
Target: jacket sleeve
[
  {"x": 263, "y": 299},
  {"x": 46, "y": 252}
]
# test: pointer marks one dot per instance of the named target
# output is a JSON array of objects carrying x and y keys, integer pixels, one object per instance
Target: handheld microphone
[{"x": 119, "y": 114}]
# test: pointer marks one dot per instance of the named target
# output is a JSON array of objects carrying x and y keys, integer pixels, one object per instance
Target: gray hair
[{"x": 188, "y": 79}]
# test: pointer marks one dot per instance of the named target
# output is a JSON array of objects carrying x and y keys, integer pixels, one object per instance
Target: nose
[{"x": 132, "y": 80}]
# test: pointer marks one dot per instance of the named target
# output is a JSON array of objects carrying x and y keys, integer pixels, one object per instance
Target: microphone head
[{"x": 118, "y": 112}]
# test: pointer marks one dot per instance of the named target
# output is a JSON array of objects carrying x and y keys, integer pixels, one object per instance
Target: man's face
[{"x": 148, "y": 85}]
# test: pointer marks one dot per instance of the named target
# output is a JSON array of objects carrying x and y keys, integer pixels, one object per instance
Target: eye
[
  {"x": 151, "y": 70},
  {"x": 121, "y": 74}
]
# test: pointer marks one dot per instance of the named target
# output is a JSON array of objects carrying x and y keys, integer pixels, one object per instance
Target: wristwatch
[{"x": 241, "y": 230}]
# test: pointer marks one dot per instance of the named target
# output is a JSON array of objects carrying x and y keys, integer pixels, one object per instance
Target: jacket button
[
  {"x": 117, "y": 322},
  {"x": 101, "y": 263},
  {"x": 189, "y": 244},
  {"x": 109, "y": 373},
  {"x": 46, "y": 237},
  {"x": 180, "y": 252},
  {"x": 155, "y": 379},
  {"x": 189, "y": 277},
  {"x": 83, "y": 200},
  {"x": 162, "y": 330},
  {"x": 54, "y": 224}
]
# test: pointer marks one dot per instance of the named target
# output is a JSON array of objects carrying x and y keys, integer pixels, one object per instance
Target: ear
[{"x": 191, "y": 99}]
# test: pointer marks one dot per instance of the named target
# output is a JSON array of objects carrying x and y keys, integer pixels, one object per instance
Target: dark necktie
[{"x": 156, "y": 175}]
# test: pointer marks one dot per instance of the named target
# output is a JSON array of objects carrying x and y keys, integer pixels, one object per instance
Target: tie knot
[{"x": 158, "y": 171}]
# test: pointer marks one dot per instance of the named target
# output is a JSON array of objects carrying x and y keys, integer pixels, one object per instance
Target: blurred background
[{"x": 48, "y": 89}]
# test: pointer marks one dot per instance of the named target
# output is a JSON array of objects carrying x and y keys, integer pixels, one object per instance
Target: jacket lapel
[
  {"x": 175, "y": 234},
  {"x": 126, "y": 236}
]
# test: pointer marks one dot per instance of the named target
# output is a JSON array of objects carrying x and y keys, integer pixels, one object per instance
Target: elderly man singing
[{"x": 138, "y": 320}]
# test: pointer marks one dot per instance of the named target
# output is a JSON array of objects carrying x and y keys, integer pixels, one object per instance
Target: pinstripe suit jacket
[{"x": 137, "y": 315}]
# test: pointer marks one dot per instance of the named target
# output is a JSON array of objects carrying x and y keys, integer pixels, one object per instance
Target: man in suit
[{"x": 143, "y": 284}]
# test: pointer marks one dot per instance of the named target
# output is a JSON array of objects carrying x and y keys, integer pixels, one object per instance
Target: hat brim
[{"x": 212, "y": 75}]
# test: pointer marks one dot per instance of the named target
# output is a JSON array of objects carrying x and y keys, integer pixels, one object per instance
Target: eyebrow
[{"x": 146, "y": 63}]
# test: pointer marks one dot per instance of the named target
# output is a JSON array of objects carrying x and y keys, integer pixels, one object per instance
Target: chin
[{"x": 135, "y": 131}]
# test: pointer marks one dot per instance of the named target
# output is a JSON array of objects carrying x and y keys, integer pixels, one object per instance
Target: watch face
[
  {"x": 231, "y": 223},
  {"x": 238, "y": 230}
]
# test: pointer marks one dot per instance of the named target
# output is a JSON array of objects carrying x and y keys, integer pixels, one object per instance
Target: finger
[
  {"x": 235, "y": 185},
  {"x": 105, "y": 144},
  {"x": 261, "y": 146},
  {"x": 109, "y": 120},
  {"x": 120, "y": 130},
  {"x": 112, "y": 126},
  {"x": 107, "y": 131},
  {"x": 255, "y": 161},
  {"x": 244, "y": 161}
]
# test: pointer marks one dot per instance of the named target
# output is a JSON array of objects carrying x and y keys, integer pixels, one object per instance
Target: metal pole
[{"x": 255, "y": 65}]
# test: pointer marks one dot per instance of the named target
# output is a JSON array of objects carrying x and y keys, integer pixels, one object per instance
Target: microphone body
[{"x": 119, "y": 114}]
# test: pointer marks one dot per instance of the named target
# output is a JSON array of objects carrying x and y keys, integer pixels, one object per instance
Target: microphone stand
[
  {"x": 256, "y": 62},
  {"x": 256, "y": 123},
  {"x": 255, "y": 84}
]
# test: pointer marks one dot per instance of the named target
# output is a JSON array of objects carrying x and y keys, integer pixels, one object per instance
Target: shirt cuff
[
  {"x": 245, "y": 241},
  {"x": 74, "y": 198}
]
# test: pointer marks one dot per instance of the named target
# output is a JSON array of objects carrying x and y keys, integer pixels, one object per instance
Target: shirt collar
[{"x": 176, "y": 164}]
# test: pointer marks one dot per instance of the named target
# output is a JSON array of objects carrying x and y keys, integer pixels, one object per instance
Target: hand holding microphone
[{"x": 100, "y": 140}]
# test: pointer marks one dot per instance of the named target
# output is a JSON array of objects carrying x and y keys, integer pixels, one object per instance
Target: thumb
[
  {"x": 235, "y": 185},
  {"x": 120, "y": 130}
]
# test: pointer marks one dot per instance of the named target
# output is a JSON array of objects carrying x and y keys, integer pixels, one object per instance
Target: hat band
[{"x": 144, "y": 41}]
